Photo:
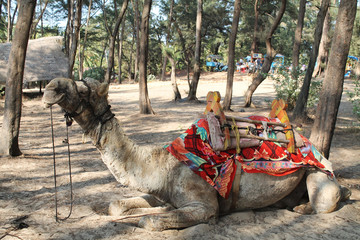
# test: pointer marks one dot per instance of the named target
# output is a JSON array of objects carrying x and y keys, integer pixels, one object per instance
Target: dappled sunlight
[{"x": 27, "y": 184}]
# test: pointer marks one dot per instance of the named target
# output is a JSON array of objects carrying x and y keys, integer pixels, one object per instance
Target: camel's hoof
[
  {"x": 151, "y": 223},
  {"x": 116, "y": 208},
  {"x": 304, "y": 209},
  {"x": 345, "y": 193}
]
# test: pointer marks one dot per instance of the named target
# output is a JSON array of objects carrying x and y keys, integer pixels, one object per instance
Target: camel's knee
[
  {"x": 117, "y": 208},
  {"x": 324, "y": 192}
]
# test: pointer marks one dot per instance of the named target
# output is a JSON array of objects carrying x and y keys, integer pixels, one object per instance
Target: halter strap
[{"x": 70, "y": 116}]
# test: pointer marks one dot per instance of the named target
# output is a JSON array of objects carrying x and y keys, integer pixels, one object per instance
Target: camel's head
[{"x": 73, "y": 96}]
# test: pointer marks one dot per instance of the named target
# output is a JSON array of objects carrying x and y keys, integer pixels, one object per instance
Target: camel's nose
[{"x": 47, "y": 105}]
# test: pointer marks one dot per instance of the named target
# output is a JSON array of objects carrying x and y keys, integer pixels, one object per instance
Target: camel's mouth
[{"x": 50, "y": 98}]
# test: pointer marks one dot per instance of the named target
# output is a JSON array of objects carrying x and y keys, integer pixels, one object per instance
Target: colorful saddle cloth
[{"x": 218, "y": 168}]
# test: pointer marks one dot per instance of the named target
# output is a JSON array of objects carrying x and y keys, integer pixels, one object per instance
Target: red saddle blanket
[{"x": 218, "y": 168}]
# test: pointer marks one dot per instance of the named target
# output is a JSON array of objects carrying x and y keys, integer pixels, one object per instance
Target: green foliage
[
  {"x": 97, "y": 73},
  {"x": 288, "y": 88},
  {"x": 151, "y": 77},
  {"x": 355, "y": 40},
  {"x": 354, "y": 98},
  {"x": 216, "y": 25}
]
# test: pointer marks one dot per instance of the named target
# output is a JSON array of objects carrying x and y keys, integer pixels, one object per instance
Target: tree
[
  {"x": 9, "y": 27},
  {"x": 144, "y": 101},
  {"x": 11, "y": 20},
  {"x": 254, "y": 44},
  {"x": 197, "y": 69},
  {"x": 1, "y": 4},
  {"x": 12, "y": 110},
  {"x": 173, "y": 56},
  {"x": 322, "y": 58},
  {"x": 120, "y": 49},
  {"x": 36, "y": 22},
  {"x": 297, "y": 39},
  {"x": 186, "y": 51},
  {"x": 231, "y": 57},
  {"x": 74, "y": 29},
  {"x": 137, "y": 37},
  {"x": 270, "y": 55},
  {"x": 299, "y": 111},
  {"x": 167, "y": 39},
  {"x": 82, "y": 51},
  {"x": 330, "y": 96},
  {"x": 113, "y": 34}
]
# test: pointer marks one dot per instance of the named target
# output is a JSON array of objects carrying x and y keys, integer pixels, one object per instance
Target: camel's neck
[{"x": 130, "y": 164}]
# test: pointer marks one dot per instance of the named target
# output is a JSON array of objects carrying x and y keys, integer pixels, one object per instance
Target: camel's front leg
[
  {"x": 324, "y": 194},
  {"x": 186, "y": 216},
  {"x": 146, "y": 204}
]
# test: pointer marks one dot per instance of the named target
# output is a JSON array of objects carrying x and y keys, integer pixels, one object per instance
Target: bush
[
  {"x": 354, "y": 98},
  {"x": 97, "y": 73},
  {"x": 151, "y": 77},
  {"x": 288, "y": 88}
]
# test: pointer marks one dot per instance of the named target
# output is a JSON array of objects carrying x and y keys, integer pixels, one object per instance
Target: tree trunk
[
  {"x": 145, "y": 105},
  {"x": 137, "y": 37},
  {"x": 163, "y": 72},
  {"x": 131, "y": 58},
  {"x": 9, "y": 28},
  {"x": 297, "y": 39},
  {"x": 74, "y": 36},
  {"x": 102, "y": 56},
  {"x": 324, "y": 47},
  {"x": 120, "y": 49},
  {"x": 300, "y": 107},
  {"x": 231, "y": 57},
  {"x": 82, "y": 53},
  {"x": 185, "y": 52},
  {"x": 112, "y": 42},
  {"x": 330, "y": 96},
  {"x": 270, "y": 52},
  {"x": 69, "y": 27},
  {"x": 197, "y": 68},
  {"x": 13, "y": 93},
  {"x": 41, "y": 24},
  {"x": 254, "y": 44},
  {"x": 177, "y": 95},
  {"x": 36, "y": 22},
  {"x": 11, "y": 20},
  {"x": 1, "y": 3}
]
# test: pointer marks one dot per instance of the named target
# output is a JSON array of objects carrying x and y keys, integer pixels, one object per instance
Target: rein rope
[
  {"x": 69, "y": 120},
  {"x": 68, "y": 123}
]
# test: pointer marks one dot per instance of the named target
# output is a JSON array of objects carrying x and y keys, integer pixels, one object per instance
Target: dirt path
[{"x": 27, "y": 185}]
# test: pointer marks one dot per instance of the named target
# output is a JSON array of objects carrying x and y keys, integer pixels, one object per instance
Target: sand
[{"x": 27, "y": 206}]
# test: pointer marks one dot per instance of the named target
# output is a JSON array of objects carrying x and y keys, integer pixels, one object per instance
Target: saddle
[
  {"x": 228, "y": 132},
  {"x": 217, "y": 147}
]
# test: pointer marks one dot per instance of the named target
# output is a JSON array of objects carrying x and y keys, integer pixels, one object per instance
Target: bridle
[
  {"x": 85, "y": 103},
  {"x": 102, "y": 118}
]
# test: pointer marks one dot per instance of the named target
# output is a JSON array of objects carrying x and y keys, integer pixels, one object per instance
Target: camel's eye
[{"x": 60, "y": 90}]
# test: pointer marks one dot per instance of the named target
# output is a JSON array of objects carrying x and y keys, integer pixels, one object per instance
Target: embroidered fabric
[{"x": 195, "y": 149}]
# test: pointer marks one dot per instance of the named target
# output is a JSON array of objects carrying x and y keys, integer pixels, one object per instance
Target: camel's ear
[
  {"x": 103, "y": 89},
  {"x": 82, "y": 88}
]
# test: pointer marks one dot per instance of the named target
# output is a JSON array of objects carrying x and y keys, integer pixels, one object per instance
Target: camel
[{"x": 175, "y": 196}]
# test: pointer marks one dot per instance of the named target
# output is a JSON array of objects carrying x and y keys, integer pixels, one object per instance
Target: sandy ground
[{"x": 27, "y": 207}]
